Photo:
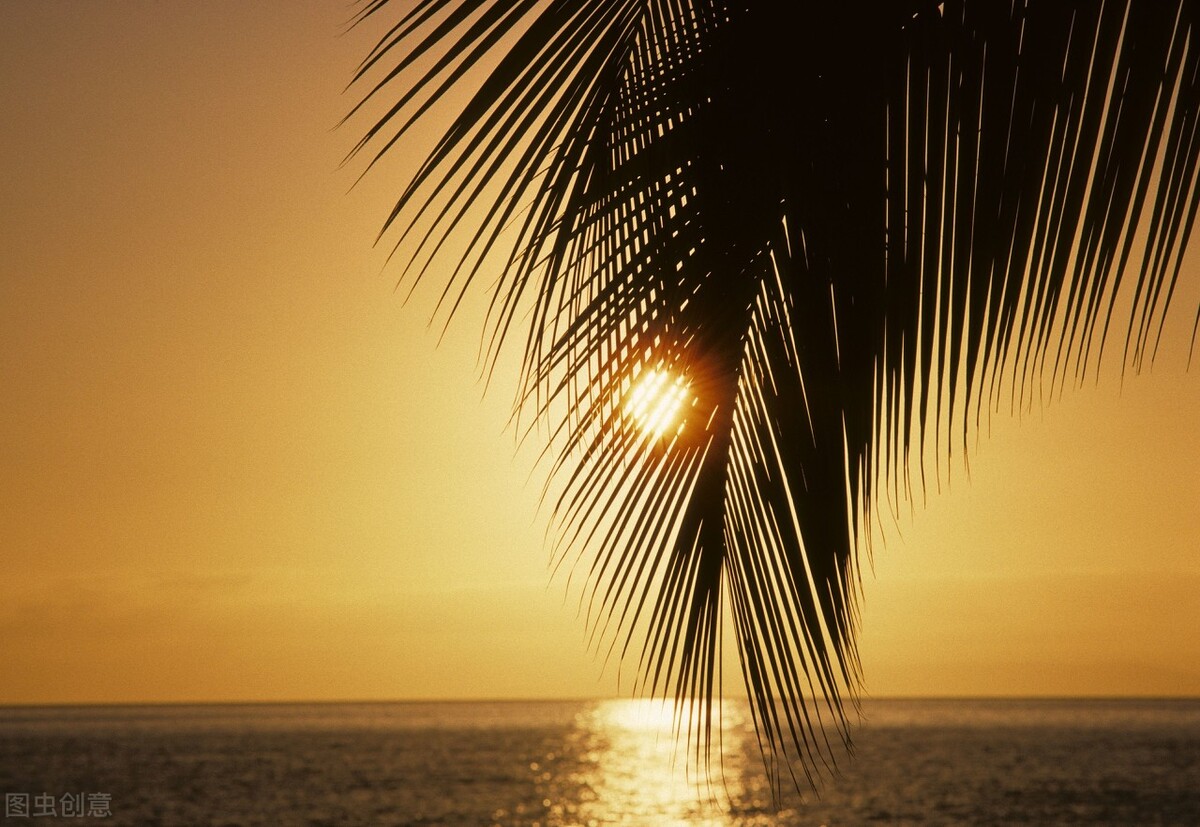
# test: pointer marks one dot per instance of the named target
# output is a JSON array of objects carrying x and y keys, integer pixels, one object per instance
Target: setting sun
[{"x": 656, "y": 403}]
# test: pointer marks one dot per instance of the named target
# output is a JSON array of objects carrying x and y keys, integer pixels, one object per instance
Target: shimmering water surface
[{"x": 602, "y": 762}]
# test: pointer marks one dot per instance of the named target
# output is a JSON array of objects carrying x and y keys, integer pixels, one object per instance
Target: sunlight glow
[
  {"x": 650, "y": 715},
  {"x": 656, "y": 402}
]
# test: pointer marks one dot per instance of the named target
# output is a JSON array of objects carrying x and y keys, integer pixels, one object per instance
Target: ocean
[{"x": 916, "y": 762}]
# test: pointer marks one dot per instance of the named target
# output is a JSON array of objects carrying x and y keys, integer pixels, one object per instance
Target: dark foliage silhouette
[{"x": 846, "y": 232}]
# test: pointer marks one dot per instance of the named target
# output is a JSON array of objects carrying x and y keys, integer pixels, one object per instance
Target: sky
[{"x": 235, "y": 463}]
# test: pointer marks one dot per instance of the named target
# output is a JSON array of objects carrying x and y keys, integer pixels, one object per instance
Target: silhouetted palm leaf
[{"x": 841, "y": 231}]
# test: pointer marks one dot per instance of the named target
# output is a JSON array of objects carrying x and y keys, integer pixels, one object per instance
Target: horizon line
[{"x": 569, "y": 699}]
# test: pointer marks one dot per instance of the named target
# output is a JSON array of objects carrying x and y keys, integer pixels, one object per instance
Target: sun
[{"x": 656, "y": 403}]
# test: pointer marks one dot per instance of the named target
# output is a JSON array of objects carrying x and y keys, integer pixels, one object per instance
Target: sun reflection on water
[{"x": 641, "y": 770}]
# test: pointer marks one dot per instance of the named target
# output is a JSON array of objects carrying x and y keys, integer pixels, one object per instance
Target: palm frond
[{"x": 837, "y": 235}]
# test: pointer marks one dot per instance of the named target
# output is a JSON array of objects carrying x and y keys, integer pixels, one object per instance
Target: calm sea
[{"x": 960, "y": 762}]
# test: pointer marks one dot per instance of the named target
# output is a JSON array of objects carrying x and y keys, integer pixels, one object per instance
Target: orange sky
[{"x": 233, "y": 466}]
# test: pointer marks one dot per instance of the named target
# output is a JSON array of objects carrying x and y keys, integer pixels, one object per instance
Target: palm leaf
[{"x": 841, "y": 236}]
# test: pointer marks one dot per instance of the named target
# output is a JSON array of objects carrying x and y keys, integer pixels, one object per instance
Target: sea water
[{"x": 918, "y": 762}]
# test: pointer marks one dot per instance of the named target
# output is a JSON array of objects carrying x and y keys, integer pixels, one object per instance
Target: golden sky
[{"x": 234, "y": 467}]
